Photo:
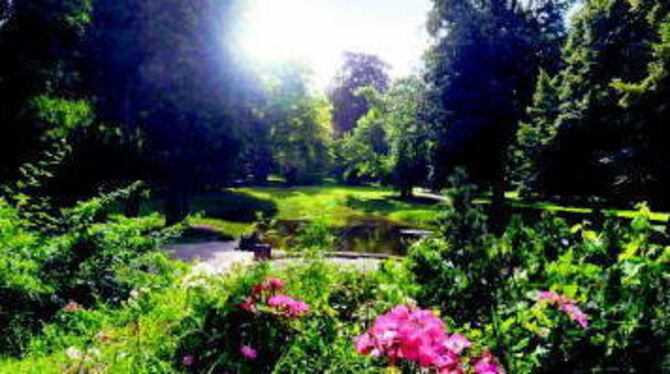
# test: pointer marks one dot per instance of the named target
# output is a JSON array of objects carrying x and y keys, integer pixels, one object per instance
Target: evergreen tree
[
  {"x": 590, "y": 150},
  {"x": 483, "y": 68},
  {"x": 646, "y": 106}
]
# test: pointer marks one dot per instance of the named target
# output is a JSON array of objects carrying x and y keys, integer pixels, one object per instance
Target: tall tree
[
  {"x": 359, "y": 70},
  {"x": 361, "y": 155},
  {"x": 647, "y": 104},
  {"x": 593, "y": 144},
  {"x": 408, "y": 129},
  {"x": 40, "y": 45},
  {"x": 166, "y": 72},
  {"x": 299, "y": 126},
  {"x": 482, "y": 68}
]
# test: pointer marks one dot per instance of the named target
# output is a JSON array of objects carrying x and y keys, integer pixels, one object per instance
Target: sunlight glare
[{"x": 317, "y": 32}]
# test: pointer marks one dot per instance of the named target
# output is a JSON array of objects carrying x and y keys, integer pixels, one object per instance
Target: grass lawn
[
  {"x": 235, "y": 210},
  {"x": 514, "y": 200}
]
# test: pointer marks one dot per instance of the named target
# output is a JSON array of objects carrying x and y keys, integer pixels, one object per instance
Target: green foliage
[
  {"x": 455, "y": 266},
  {"x": 64, "y": 115},
  {"x": 391, "y": 142},
  {"x": 316, "y": 237},
  {"x": 617, "y": 274},
  {"x": 359, "y": 70},
  {"x": 361, "y": 155},
  {"x": 39, "y": 80},
  {"x": 482, "y": 71},
  {"x": 533, "y": 137},
  {"x": 583, "y": 136},
  {"x": 409, "y": 133},
  {"x": 299, "y": 126},
  {"x": 94, "y": 260}
]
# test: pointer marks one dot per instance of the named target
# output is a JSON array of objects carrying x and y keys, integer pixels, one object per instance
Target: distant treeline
[{"x": 552, "y": 97}]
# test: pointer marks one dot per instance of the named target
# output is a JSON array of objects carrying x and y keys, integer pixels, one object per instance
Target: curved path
[{"x": 218, "y": 257}]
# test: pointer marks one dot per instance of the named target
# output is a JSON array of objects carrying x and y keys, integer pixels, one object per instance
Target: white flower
[{"x": 74, "y": 353}]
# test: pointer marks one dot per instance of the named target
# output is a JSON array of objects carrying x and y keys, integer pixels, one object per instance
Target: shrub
[
  {"x": 616, "y": 276},
  {"x": 93, "y": 260}
]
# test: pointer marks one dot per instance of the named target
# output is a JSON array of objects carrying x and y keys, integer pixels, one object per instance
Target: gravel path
[
  {"x": 218, "y": 257},
  {"x": 206, "y": 251},
  {"x": 212, "y": 258}
]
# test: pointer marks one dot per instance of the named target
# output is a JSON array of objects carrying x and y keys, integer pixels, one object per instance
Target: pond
[{"x": 360, "y": 235}]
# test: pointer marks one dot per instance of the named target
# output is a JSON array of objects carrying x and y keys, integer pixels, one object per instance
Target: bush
[
  {"x": 618, "y": 276},
  {"x": 95, "y": 260},
  {"x": 341, "y": 302}
]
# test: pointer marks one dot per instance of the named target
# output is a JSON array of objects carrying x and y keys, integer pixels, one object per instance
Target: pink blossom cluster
[
  {"x": 566, "y": 305},
  {"x": 72, "y": 307},
  {"x": 248, "y": 352},
  {"x": 288, "y": 305},
  {"x": 417, "y": 335},
  {"x": 487, "y": 364},
  {"x": 266, "y": 294}
]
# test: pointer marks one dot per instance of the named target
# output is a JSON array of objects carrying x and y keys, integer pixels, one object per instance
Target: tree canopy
[{"x": 358, "y": 70}]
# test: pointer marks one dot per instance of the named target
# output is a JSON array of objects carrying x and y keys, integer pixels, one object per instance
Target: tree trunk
[
  {"x": 406, "y": 192},
  {"x": 133, "y": 204},
  {"x": 176, "y": 204}
]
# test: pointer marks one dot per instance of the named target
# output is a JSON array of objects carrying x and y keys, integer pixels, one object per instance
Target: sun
[
  {"x": 317, "y": 32},
  {"x": 276, "y": 31}
]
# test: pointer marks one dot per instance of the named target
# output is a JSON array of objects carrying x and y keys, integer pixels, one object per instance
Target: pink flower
[
  {"x": 248, "y": 352},
  {"x": 188, "y": 360},
  {"x": 288, "y": 305},
  {"x": 72, "y": 307},
  {"x": 273, "y": 284},
  {"x": 457, "y": 343},
  {"x": 549, "y": 296},
  {"x": 485, "y": 367},
  {"x": 565, "y": 305},
  {"x": 248, "y": 305},
  {"x": 487, "y": 364},
  {"x": 364, "y": 344},
  {"x": 416, "y": 335},
  {"x": 575, "y": 314}
]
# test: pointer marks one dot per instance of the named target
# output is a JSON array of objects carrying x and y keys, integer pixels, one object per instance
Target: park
[{"x": 328, "y": 186}]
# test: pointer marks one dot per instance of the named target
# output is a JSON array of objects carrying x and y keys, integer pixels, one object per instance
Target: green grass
[
  {"x": 234, "y": 211},
  {"x": 515, "y": 201},
  {"x": 621, "y": 213},
  {"x": 339, "y": 205}
]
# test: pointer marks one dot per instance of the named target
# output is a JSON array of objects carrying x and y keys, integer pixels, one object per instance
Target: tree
[
  {"x": 391, "y": 142},
  {"x": 646, "y": 101},
  {"x": 359, "y": 70},
  {"x": 534, "y": 135},
  {"x": 299, "y": 126},
  {"x": 482, "y": 71},
  {"x": 172, "y": 83},
  {"x": 40, "y": 45},
  {"x": 408, "y": 127},
  {"x": 361, "y": 155},
  {"x": 593, "y": 146}
]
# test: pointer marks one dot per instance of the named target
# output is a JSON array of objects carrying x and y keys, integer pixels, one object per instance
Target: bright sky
[{"x": 316, "y": 32}]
